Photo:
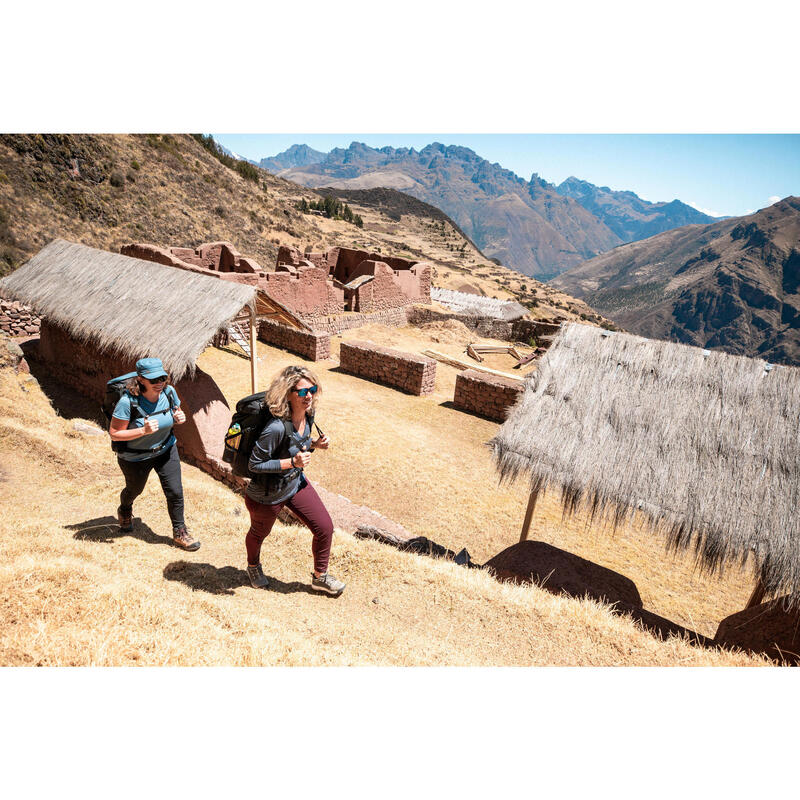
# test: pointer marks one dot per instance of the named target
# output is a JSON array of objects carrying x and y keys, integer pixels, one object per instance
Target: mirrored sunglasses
[
  {"x": 303, "y": 392},
  {"x": 159, "y": 379}
]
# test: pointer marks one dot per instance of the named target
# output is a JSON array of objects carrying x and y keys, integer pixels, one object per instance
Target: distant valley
[{"x": 733, "y": 284}]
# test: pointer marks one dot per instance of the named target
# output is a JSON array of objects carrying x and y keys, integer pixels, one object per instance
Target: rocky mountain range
[
  {"x": 733, "y": 284},
  {"x": 630, "y": 217},
  {"x": 532, "y": 226},
  {"x": 298, "y": 155}
]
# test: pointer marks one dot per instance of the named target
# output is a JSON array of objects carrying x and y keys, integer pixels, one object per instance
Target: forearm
[
  {"x": 126, "y": 434},
  {"x": 268, "y": 445}
]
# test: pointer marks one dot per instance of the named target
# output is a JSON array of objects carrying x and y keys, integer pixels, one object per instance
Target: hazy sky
[{"x": 721, "y": 174}]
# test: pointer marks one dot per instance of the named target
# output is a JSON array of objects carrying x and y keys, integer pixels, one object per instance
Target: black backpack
[
  {"x": 252, "y": 415},
  {"x": 117, "y": 387}
]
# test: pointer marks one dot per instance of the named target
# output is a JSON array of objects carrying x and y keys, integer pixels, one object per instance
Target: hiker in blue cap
[{"x": 143, "y": 420}]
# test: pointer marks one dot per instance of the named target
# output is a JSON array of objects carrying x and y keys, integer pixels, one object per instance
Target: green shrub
[
  {"x": 135, "y": 164},
  {"x": 244, "y": 168}
]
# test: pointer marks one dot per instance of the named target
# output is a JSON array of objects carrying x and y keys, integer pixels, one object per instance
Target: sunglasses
[
  {"x": 303, "y": 392},
  {"x": 161, "y": 379}
]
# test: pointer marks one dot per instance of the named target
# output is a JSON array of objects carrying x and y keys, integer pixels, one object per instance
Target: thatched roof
[
  {"x": 705, "y": 445},
  {"x": 477, "y": 305},
  {"x": 127, "y": 306}
]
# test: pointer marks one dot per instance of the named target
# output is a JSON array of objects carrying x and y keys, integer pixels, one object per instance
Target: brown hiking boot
[
  {"x": 125, "y": 520},
  {"x": 183, "y": 539}
]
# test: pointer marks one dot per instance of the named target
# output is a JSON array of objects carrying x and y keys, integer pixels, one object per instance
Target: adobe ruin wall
[
  {"x": 311, "y": 285},
  {"x": 490, "y": 396},
  {"x": 225, "y": 261},
  {"x": 412, "y": 373}
]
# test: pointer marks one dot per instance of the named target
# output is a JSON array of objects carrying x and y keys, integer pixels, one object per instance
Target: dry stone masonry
[
  {"x": 313, "y": 345},
  {"x": 409, "y": 372},
  {"x": 490, "y": 396},
  {"x": 17, "y": 319}
]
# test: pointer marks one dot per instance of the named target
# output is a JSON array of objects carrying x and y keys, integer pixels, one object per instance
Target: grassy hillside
[
  {"x": 75, "y": 591},
  {"x": 106, "y": 191}
]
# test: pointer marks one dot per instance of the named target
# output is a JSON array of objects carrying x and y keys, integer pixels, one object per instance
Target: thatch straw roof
[
  {"x": 705, "y": 445},
  {"x": 127, "y": 306},
  {"x": 477, "y": 305}
]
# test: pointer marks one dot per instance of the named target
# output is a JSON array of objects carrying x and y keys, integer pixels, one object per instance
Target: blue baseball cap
[{"x": 150, "y": 368}]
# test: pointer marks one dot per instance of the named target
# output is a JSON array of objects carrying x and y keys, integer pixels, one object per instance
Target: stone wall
[
  {"x": 382, "y": 292},
  {"x": 87, "y": 370},
  {"x": 160, "y": 255},
  {"x": 524, "y": 330},
  {"x": 520, "y": 330},
  {"x": 487, "y": 327},
  {"x": 410, "y": 372},
  {"x": 391, "y": 318},
  {"x": 304, "y": 283},
  {"x": 490, "y": 396},
  {"x": 305, "y": 290},
  {"x": 397, "y": 281},
  {"x": 313, "y": 345},
  {"x": 17, "y": 319}
]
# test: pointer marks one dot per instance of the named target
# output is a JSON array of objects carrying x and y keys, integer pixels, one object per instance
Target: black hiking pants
[{"x": 168, "y": 468}]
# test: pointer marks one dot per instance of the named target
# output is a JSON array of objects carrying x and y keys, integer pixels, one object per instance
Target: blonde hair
[{"x": 277, "y": 399}]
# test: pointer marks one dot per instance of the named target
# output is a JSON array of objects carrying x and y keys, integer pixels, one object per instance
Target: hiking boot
[
  {"x": 327, "y": 583},
  {"x": 125, "y": 520},
  {"x": 258, "y": 580},
  {"x": 183, "y": 539}
]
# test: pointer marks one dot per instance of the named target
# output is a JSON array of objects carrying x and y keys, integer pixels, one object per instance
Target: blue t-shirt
[{"x": 152, "y": 444}]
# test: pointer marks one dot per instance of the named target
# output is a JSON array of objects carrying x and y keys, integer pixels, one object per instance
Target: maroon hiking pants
[{"x": 306, "y": 505}]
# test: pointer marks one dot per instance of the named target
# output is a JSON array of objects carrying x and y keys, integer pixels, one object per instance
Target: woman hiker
[
  {"x": 151, "y": 444},
  {"x": 278, "y": 458}
]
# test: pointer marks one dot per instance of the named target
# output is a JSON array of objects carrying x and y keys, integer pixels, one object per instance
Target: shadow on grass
[
  {"x": 224, "y": 580},
  {"x": 453, "y": 407},
  {"x": 106, "y": 530},
  {"x": 561, "y": 572}
]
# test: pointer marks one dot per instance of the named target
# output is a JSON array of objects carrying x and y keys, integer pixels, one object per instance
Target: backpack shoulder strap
[
  {"x": 172, "y": 397},
  {"x": 135, "y": 406}
]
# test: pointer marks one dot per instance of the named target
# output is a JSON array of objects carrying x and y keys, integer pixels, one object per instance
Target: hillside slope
[
  {"x": 733, "y": 285},
  {"x": 76, "y": 592},
  {"x": 106, "y": 191}
]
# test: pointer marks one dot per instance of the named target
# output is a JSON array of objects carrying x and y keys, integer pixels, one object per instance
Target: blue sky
[{"x": 721, "y": 174}]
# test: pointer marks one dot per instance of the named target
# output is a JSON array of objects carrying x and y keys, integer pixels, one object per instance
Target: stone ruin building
[{"x": 312, "y": 285}]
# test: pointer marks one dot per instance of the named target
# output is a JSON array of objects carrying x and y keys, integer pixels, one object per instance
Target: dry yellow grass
[
  {"x": 75, "y": 591},
  {"x": 425, "y": 464}
]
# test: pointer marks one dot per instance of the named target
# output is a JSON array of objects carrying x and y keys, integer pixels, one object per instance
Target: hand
[
  {"x": 178, "y": 416},
  {"x": 150, "y": 426},
  {"x": 322, "y": 442},
  {"x": 302, "y": 459}
]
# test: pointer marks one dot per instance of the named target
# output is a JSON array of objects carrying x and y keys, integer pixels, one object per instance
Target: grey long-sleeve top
[{"x": 272, "y": 484}]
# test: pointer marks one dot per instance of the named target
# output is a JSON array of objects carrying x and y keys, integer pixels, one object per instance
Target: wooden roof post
[
  {"x": 526, "y": 524},
  {"x": 253, "y": 356},
  {"x": 758, "y": 595}
]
